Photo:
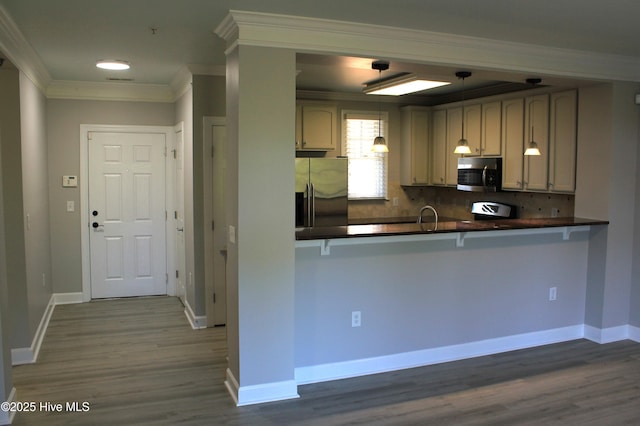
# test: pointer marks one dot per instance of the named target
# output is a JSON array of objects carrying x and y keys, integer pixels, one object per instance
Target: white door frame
[
  {"x": 168, "y": 131},
  {"x": 208, "y": 122}
]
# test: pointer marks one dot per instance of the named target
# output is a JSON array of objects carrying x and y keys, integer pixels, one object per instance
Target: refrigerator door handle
[
  {"x": 308, "y": 205},
  {"x": 312, "y": 203}
]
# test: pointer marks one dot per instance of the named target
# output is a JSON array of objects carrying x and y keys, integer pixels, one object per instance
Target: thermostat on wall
[{"x": 69, "y": 181}]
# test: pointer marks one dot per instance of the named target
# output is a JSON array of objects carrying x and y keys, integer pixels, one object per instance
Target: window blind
[{"x": 367, "y": 170}]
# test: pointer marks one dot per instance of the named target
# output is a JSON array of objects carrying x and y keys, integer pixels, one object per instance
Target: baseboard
[
  {"x": 197, "y": 322},
  {"x": 361, "y": 367},
  {"x": 259, "y": 394},
  {"x": 634, "y": 333},
  {"x": 68, "y": 298},
  {"x": 6, "y": 417},
  {"x": 21, "y": 356},
  {"x": 607, "y": 335},
  {"x": 232, "y": 386}
]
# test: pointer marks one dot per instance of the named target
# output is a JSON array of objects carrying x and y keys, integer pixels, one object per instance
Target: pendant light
[
  {"x": 463, "y": 144},
  {"x": 379, "y": 144},
  {"x": 532, "y": 147}
]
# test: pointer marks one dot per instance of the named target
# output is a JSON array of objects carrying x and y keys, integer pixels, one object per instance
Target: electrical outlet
[
  {"x": 553, "y": 293},
  {"x": 356, "y": 319},
  {"x": 395, "y": 202},
  {"x": 555, "y": 211}
]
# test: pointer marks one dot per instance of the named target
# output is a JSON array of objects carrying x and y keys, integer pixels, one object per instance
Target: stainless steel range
[{"x": 487, "y": 210}]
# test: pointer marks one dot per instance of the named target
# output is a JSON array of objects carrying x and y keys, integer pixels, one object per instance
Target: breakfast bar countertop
[{"x": 443, "y": 226}]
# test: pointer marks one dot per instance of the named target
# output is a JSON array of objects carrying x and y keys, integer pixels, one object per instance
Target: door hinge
[
  {"x": 166, "y": 278},
  {"x": 166, "y": 216},
  {"x": 90, "y": 135},
  {"x": 214, "y": 298},
  {"x": 212, "y": 148},
  {"x": 175, "y": 214},
  {"x": 213, "y": 225},
  {"x": 177, "y": 273},
  {"x": 175, "y": 155}
]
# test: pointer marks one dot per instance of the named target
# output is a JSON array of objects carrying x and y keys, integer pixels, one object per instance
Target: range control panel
[{"x": 490, "y": 208}]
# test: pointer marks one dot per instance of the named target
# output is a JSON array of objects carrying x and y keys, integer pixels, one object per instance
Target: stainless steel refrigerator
[{"x": 321, "y": 192}]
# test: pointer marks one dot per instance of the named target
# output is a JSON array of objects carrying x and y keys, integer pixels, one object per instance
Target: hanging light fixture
[
  {"x": 532, "y": 147},
  {"x": 463, "y": 145},
  {"x": 379, "y": 144}
]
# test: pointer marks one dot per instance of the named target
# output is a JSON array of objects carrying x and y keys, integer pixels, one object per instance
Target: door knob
[
  {"x": 180, "y": 229},
  {"x": 95, "y": 224}
]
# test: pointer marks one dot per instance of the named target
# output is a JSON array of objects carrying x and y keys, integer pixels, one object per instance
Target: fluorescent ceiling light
[
  {"x": 402, "y": 85},
  {"x": 113, "y": 64}
]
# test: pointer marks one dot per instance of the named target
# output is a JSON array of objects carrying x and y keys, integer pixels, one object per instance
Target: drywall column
[
  {"x": 6, "y": 390},
  {"x": 606, "y": 188},
  {"x": 260, "y": 217}
]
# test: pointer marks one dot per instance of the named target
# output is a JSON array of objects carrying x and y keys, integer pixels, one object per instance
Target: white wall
[
  {"x": 423, "y": 295},
  {"x": 606, "y": 189},
  {"x": 35, "y": 181},
  {"x": 64, "y": 118}
]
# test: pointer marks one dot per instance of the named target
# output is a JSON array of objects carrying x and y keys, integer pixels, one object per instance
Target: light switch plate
[{"x": 71, "y": 206}]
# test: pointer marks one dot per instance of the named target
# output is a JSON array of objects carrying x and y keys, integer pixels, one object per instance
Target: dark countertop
[{"x": 382, "y": 229}]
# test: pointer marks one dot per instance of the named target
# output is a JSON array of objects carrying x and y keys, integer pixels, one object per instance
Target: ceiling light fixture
[
  {"x": 463, "y": 144},
  {"x": 532, "y": 148},
  {"x": 113, "y": 64},
  {"x": 379, "y": 144},
  {"x": 408, "y": 83}
]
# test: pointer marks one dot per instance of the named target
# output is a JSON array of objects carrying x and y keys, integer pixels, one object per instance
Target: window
[{"x": 367, "y": 170}]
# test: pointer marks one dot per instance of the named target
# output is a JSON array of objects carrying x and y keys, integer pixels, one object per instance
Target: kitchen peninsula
[{"x": 423, "y": 294}]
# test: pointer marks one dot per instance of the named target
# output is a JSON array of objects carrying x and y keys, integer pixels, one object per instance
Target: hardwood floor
[{"x": 137, "y": 362}]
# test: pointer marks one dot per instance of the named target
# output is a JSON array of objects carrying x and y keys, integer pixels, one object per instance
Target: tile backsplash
[{"x": 451, "y": 203}]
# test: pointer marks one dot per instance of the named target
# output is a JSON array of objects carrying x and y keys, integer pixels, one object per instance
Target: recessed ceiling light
[{"x": 113, "y": 64}]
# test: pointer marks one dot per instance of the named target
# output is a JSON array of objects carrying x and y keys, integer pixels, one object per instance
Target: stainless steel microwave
[{"x": 480, "y": 174}]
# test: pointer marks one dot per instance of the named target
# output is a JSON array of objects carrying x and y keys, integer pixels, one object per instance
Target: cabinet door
[
  {"x": 438, "y": 146},
  {"x": 298, "y": 126},
  {"x": 536, "y": 167},
  {"x": 491, "y": 127},
  {"x": 415, "y": 144},
  {"x": 319, "y": 127},
  {"x": 473, "y": 128},
  {"x": 512, "y": 143},
  {"x": 454, "y": 132},
  {"x": 562, "y": 141}
]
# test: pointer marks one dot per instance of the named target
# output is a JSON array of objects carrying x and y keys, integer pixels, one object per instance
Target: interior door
[
  {"x": 178, "y": 156},
  {"x": 127, "y": 214},
  {"x": 219, "y": 252}
]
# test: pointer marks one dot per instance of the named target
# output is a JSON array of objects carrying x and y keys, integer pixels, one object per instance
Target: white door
[
  {"x": 178, "y": 156},
  {"x": 220, "y": 230},
  {"x": 127, "y": 214},
  {"x": 215, "y": 238}
]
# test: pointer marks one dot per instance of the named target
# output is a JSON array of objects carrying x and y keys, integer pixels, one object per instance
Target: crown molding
[
  {"x": 313, "y": 35},
  {"x": 20, "y": 53},
  {"x": 111, "y": 91}
]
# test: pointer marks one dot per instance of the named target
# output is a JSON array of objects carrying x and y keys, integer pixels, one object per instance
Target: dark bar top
[{"x": 386, "y": 229}]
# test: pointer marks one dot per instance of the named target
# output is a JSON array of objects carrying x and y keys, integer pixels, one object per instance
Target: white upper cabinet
[
  {"x": 490, "y": 145},
  {"x": 562, "y": 141},
  {"x": 454, "y": 133},
  {"x": 473, "y": 128},
  {"x": 414, "y": 154},
  {"x": 512, "y": 143},
  {"x": 316, "y": 127},
  {"x": 537, "y": 129},
  {"x": 438, "y": 146}
]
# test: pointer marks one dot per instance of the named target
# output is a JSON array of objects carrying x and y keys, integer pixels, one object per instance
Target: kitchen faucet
[{"x": 427, "y": 207}]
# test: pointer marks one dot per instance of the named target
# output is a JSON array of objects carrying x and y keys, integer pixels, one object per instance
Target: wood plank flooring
[{"x": 137, "y": 362}]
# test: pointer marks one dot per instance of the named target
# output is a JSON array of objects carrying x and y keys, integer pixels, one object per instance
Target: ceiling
[{"x": 160, "y": 37}]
